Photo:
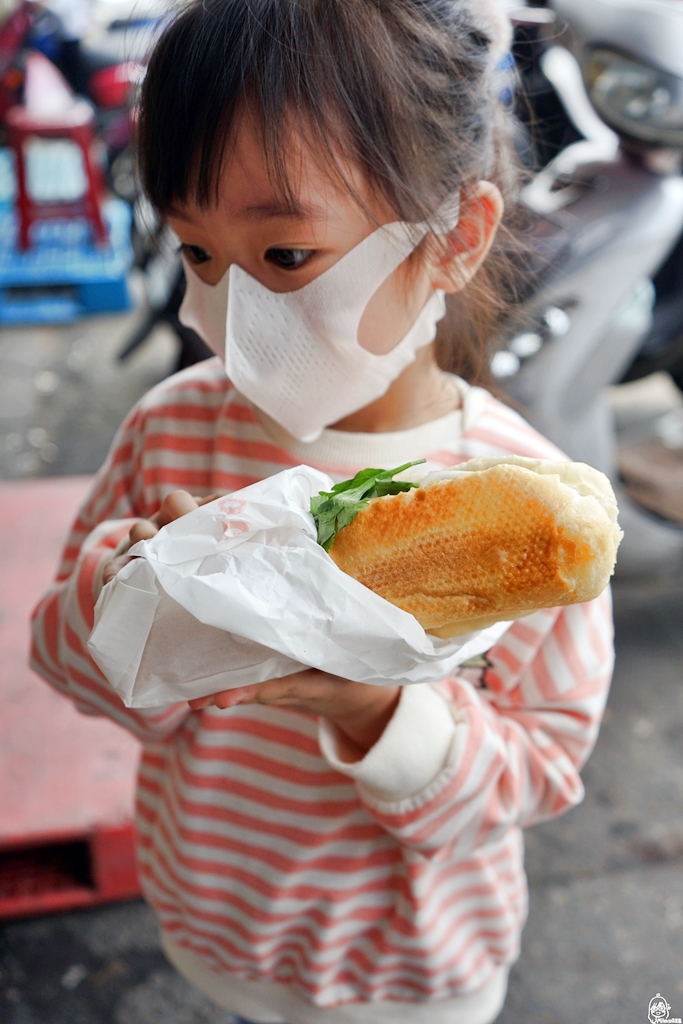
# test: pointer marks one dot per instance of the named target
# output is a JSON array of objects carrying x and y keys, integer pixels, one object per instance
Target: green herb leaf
[{"x": 335, "y": 509}]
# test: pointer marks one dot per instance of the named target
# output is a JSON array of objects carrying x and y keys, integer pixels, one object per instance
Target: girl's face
[{"x": 286, "y": 246}]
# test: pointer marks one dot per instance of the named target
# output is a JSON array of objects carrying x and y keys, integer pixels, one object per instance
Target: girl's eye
[
  {"x": 195, "y": 253},
  {"x": 288, "y": 259}
]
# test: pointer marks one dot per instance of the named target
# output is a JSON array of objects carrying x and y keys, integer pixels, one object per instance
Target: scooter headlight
[{"x": 635, "y": 99}]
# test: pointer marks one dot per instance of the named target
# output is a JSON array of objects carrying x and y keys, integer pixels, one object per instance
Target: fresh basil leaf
[
  {"x": 335, "y": 509},
  {"x": 365, "y": 476},
  {"x": 392, "y": 487}
]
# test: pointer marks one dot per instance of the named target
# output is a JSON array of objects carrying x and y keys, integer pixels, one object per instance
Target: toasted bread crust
[{"x": 480, "y": 547}]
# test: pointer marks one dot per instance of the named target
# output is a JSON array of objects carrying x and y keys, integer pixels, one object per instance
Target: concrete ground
[
  {"x": 63, "y": 393},
  {"x": 605, "y": 932}
]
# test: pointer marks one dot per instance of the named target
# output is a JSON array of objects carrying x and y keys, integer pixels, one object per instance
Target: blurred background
[{"x": 90, "y": 287}]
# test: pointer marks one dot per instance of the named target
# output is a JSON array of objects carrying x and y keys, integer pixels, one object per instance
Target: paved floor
[
  {"x": 605, "y": 932},
  {"x": 63, "y": 393}
]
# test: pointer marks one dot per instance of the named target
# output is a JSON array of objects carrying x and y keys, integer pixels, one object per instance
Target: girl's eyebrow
[
  {"x": 267, "y": 211},
  {"x": 282, "y": 209}
]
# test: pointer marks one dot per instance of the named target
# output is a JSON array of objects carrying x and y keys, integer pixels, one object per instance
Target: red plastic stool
[{"x": 75, "y": 124}]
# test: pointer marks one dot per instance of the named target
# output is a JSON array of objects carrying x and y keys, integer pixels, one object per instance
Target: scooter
[{"x": 609, "y": 206}]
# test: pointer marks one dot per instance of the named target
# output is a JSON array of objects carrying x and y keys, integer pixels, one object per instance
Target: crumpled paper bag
[{"x": 239, "y": 591}]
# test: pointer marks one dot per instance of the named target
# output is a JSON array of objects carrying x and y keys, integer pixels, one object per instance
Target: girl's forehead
[{"x": 306, "y": 185}]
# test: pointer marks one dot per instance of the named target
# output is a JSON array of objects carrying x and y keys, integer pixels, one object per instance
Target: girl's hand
[
  {"x": 360, "y": 711},
  {"x": 174, "y": 505}
]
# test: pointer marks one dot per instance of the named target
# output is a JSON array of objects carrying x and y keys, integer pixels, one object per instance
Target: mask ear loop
[{"x": 448, "y": 215}]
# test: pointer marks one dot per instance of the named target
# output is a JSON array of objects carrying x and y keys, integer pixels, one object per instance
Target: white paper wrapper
[{"x": 239, "y": 591}]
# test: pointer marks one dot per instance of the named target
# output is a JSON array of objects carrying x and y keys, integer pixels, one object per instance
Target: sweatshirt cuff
[{"x": 411, "y": 751}]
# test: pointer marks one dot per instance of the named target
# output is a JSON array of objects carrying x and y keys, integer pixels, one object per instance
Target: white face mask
[{"x": 296, "y": 354}]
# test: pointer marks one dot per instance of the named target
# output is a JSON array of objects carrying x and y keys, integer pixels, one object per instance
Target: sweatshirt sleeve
[
  {"x": 63, "y": 619},
  {"x": 462, "y": 761}
]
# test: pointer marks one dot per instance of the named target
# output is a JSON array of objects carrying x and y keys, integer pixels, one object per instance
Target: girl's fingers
[
  {"x": 143, "y": 530},
  {"x": 175, "y": 505},
  {"x": 210, "y": 497},
  {"x": 310, "y": 691},
  {"x": 199, "y": 703},
  {"x": 224, "y": 699},
  {"x": 111, "y": 568},
  {"x": 275, "y": 691},
  {"x": 361, "y": 712},
  {"x": 240, "y": 695}
]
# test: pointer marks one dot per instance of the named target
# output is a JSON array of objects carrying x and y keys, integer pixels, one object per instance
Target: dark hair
[{"x": 403, "y": 87}]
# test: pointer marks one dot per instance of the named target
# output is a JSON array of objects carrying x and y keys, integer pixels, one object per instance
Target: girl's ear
[{"x": 466, "y": 246}]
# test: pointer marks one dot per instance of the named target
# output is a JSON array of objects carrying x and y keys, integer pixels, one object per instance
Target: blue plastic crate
[{"x": 64, "y": 275}]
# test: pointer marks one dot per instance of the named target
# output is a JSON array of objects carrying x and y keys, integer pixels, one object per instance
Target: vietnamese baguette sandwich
[{"x": 489, "y": 540}]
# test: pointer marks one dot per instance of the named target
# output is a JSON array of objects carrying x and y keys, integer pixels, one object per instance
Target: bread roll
[{"x": 489, "y": 540}]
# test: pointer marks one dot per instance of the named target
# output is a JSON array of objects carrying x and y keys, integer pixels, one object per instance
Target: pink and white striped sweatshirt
[{"x": 290, "y": 886}]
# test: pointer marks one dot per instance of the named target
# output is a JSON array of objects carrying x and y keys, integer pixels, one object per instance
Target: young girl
[{"x": 319, "y": 850}]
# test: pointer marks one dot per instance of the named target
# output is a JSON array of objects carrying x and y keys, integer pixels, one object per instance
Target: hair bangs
[{"x": 225, "y": 60}]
